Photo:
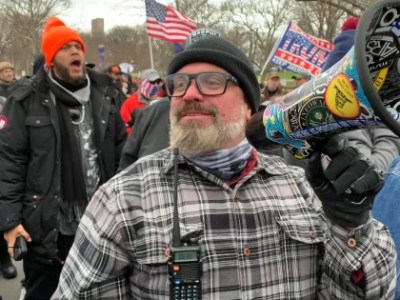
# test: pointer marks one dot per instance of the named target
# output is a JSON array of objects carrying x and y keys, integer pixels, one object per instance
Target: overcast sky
[{"x": 127, "y": 12}]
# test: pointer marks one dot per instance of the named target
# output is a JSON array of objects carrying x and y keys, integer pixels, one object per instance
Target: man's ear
[{"x": 247, "y": 111}]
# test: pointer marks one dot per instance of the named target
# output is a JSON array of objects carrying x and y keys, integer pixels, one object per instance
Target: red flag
[{"x": 166, "y": 23}]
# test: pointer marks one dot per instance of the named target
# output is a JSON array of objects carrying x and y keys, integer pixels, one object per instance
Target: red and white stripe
[{"x": 175, "y": 29}]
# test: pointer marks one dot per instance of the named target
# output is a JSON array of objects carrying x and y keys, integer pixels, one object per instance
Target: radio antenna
[{"x": 176, "y": 233}]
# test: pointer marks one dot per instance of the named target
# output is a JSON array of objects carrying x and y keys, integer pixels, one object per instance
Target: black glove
[{"x": 347, "y": 187}]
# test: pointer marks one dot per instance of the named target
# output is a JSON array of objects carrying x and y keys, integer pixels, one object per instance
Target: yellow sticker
[
  {"x": 340, "y": 98},
  {"x": 380, "y": 78}
]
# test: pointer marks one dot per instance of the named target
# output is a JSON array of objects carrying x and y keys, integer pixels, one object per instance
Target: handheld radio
[{"x": 184, "y": 265}]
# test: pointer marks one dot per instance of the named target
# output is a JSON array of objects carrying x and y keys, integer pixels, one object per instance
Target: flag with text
[{"x": 300, "y": 52}]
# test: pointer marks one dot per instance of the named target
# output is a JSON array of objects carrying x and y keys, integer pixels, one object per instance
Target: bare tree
[
  {"x": 5, "y": 37},
  {"x": 131, "y": 45},
  {"x": 25, "y": 19},
  {"x": 127, "y": 44},
  {"x": 317, "y": 18},
  {"x": 255, "y": 27},
  {"x": 349, "y": 7},
  {"x": 203, "y": 12}
]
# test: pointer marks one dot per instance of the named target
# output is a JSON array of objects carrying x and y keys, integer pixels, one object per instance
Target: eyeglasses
[
  {"x": 208, "y": 83},
  {"x": 157, "y": 81}
]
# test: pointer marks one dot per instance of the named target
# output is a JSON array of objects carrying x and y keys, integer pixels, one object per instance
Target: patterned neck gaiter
[{"x": 226, "y": 164}]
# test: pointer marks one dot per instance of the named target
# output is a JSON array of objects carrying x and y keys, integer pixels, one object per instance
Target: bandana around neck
[
  {"x": 82, "y": 94},
  {"x": 226, "y": 164}
]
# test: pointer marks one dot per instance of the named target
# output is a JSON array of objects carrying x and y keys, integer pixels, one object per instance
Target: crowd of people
[{"x": 109, "y": 180}]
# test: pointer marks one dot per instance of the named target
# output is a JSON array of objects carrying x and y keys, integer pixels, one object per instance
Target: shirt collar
[{"x": 273, "y": 165}]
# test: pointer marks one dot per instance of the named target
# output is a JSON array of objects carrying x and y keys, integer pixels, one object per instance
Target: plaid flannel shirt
[{"x": 265, "y": 239}]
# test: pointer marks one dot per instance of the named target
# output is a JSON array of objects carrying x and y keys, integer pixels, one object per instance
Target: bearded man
[
  {"x": 247, "y": 226},
  {"x": 6, "y": 77},
  {"x": 61, "y": 136}
]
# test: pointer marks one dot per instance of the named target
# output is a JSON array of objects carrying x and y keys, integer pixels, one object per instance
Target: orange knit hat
[{"x": 55, "y": 35}]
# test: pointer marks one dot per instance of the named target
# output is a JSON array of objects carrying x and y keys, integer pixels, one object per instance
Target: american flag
[
  {"x": 149, "y": 90},
  {"x": 166, "y": 23}
]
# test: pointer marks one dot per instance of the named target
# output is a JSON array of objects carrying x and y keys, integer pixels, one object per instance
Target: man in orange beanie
[{"x": 61, "y": 136}]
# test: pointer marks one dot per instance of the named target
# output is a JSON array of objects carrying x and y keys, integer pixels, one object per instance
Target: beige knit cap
[{"x": 5, "y": 65}]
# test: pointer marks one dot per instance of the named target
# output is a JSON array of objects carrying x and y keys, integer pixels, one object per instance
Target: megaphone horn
[{"x": 361, "y": 90}]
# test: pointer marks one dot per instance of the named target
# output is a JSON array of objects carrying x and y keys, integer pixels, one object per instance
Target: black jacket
[
  {"x": 4, "y": 90},
  {"x": 150, "y": 133},
  {"x": 30, "y": 156}
]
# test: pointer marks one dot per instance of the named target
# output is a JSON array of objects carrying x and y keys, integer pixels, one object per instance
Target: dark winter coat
[
  {"x": 151, "y": 133},
  {"x": 30, "y": 156}
]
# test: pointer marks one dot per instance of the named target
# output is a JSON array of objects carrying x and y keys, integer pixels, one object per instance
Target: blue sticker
[{"x": 274, "y": 130}]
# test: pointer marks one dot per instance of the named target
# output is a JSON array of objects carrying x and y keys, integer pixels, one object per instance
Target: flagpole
[
  {"x": 272, "y": 52},
  {"x": 151, "y": 53},
  {"x": 263, "y": 69}
]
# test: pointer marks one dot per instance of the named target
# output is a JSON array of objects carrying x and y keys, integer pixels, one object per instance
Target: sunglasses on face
[
  {"x": 208, "y": 83},
  {"x": 157, "y": 81}
]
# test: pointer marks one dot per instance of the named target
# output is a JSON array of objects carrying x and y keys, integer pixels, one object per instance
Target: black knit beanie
[{"x": 220, "y": 52}]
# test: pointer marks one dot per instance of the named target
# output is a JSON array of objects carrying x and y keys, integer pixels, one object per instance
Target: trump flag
[{"x": 300, "y": 52}]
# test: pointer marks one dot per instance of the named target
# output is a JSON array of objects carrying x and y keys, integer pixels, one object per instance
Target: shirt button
[
  {"x": 312, "y": 234},
  {"x": 167, "y": 254},
  {"x": 352, "y": 243},
  {"x": 246, "y": 251}
]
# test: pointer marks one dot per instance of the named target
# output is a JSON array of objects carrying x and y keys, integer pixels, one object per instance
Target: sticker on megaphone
[{"x": 361, "y": 90}]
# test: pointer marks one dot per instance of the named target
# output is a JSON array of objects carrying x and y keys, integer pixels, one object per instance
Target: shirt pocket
[
  {"x": 304, "y": 230},
  {"x": 41, "y": 133}
]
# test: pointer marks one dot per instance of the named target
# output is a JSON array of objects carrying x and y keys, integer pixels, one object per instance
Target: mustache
[{"x": 196, "y": 107}]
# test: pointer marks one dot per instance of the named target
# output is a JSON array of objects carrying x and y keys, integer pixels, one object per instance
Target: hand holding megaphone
[
  {"x": 347, "y": 186},
  {"x": 361, "y": 90}
]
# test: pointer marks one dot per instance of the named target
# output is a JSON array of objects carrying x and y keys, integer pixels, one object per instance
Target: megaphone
[{"x": 361, "y": 90}]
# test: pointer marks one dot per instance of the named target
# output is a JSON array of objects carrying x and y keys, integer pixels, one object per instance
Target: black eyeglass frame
[{"x": 226, "y": 76}]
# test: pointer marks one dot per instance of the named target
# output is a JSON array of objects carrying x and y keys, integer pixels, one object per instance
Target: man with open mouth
[{"x": 61, "y": 136}]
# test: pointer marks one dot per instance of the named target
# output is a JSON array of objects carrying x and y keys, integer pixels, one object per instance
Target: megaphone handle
[{"x": 330, "y": 146}]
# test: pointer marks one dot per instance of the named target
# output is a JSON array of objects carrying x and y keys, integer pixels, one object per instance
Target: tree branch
[{"x": 339, "y": 6}]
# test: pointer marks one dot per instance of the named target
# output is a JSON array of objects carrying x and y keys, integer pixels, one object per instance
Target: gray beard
[{"x": 193, "y": 139}]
